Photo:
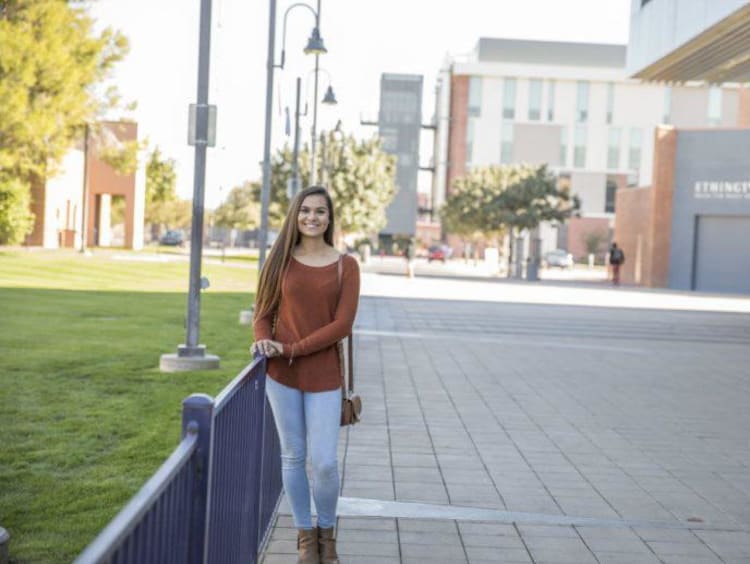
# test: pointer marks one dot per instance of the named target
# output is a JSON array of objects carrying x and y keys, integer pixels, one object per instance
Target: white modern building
[
  {"x": 689, "y": 227},
  {"x": 572, "y": 106}
]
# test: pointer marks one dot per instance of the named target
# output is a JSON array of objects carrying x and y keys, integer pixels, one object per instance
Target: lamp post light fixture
[
  {"x": 329, "y": 99},
  {"x": 315, "y": 46}
]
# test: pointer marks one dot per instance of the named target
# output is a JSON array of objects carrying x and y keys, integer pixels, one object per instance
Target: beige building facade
[
  {"x": 58, "y": 204},
  {"x": 571, "y": 106}
]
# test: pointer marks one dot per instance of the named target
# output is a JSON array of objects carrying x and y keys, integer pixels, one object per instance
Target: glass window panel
[
  {"x": 609, "y": 198},
  {"x": 579, "y": 149},
  {"x": 470, "y": 140},
  {"x": 475, "y": 96},
  {"x": 535, "y": 99},
  {"x": 582, "y": 102},
  {"x": 610, "y": 101},
  {"x": 509, "y": 98},
  {"x": 613, "y": 148},
  {"x": 563, "y": 146},
  {"x": 551, "y": 101}
]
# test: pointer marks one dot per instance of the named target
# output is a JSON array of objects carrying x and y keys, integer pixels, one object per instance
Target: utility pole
[
  {"x": 315, "y": 108},
  {"x": 191, "y": 355},
  {"x": 265, "y": 193}
]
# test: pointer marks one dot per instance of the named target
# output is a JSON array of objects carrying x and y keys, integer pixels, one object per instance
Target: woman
[{"x": 302, "y": 309}]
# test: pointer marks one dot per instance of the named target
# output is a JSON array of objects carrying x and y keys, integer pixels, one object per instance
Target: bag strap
[{"x": 349, "y": 373}]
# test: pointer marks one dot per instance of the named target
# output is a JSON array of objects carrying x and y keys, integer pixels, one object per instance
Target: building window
[
  {"x": 389, "y": 139},
  {"x": 609, "y": 198},
  {"x": 582, "y": 102},
  {"x": 610, "y": 101},
  {"x": 667, "y": 115},
  {"x": 506, "y": 143},
  {"x": 509, "y": 98},
  {"x": 563, "y": 146},
  {"x": 714, "y": 106},
  {"x": 634, "y": 155},
  {"x": 579, "y": 148},
  {"x": 469, "y": 140},
  {"x": 613, "y": 148},
  {"x": 475, "y": 96},
  {"x": 551, "y": 101},
  {"x": 535, "y": 99}
]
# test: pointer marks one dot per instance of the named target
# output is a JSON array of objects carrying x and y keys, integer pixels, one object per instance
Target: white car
[{"x": 559, "y": 258}]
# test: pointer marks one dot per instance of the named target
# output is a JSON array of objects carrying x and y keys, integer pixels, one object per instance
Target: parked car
[
  {"x": 559, "y": 257},
  {"x": 439, "y": 252},
  {"x": 173, "y": 238}
]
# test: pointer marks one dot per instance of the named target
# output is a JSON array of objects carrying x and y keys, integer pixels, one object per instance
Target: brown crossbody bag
[{"x": 351, "y": 403}]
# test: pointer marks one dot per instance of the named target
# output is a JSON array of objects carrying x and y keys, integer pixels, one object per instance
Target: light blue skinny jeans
[{"x": 302, "y": 418}]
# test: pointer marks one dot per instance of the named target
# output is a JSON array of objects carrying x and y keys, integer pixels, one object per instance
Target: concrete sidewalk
[{"x": 543, "y": 432}]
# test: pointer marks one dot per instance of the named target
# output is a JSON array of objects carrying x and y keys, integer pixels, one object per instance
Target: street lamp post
[
  {"x": 315, "y": 110},
  {"x": 295, "y": 152},
  {"x": 191, "y": 355},
  {"x": 315, "y": 47},
  {"x": 328, "y": 99}
]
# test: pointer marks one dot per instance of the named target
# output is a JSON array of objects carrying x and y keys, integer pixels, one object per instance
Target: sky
[{"x": 364, "y": 39}]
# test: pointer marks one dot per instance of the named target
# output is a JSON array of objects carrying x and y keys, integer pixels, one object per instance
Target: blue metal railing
[{"x": 213, "y": 499}]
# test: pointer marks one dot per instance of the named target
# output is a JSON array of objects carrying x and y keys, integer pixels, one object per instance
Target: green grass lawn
[{"x": 86, "y": 416}]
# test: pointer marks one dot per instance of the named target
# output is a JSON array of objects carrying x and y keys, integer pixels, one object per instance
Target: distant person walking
[
  {"x": 616, "y": 259},
  {"x": 410, "y": 253},
  {"x": 306, "y": 303}
]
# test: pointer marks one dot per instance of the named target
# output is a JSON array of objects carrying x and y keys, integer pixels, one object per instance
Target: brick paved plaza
[{"x": 554, "y": 433}]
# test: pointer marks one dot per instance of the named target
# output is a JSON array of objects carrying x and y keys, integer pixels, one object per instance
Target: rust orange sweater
[{"x": 312, "y": 318}]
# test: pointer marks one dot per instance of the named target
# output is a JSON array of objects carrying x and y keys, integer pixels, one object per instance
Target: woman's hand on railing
[{"x": 267, "y": 348}]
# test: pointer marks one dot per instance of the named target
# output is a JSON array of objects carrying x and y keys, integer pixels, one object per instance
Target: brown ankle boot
[
  {"x": 327, "y": 543},
  {"x": 307, "y": 546}
]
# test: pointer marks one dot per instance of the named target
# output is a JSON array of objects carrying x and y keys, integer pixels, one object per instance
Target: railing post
[{"x": 197, "y": 415}]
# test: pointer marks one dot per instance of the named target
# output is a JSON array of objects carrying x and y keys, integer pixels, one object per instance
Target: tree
[
  {"x": 469, "y": 209},
  {"x": 16, "y": 220},
  {"x": 358, "y": 173},
  {"x": 593, "y": 241},
  {"x": 512, "y": 197},
  {"x": 50, "y": 64},
  {"x": 241, "y": 209},
  {"x": 161, "y": 181}
]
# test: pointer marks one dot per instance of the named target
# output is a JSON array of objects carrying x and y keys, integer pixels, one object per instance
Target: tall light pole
[
  {"x": 315, "y": 110},
  {"x": 314, "y": 46},
  {"x": 328, "y": 99},
  {"x": 191, "y": 355}
]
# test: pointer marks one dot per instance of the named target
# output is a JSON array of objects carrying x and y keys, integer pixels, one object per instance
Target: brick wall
[
  {"x": 457, "y": 131},
  {"x": 665, "y": 147},
  {"x": 633, "y": 234},
  {"x": 643, "y": 225}
]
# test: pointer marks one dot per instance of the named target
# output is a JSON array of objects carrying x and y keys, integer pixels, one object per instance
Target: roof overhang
[{"x": 719, "y": 54}]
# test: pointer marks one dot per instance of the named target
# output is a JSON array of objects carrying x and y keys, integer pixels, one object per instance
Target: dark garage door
[{"x": 722, "y": 254}]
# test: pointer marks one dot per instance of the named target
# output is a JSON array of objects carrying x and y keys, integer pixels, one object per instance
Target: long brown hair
[{"x": 269, "y": 283}]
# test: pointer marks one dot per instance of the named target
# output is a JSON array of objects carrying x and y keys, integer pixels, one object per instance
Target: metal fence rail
[
  {"x": 235, "y": 525},
  {"x": 213, "y": 499}
]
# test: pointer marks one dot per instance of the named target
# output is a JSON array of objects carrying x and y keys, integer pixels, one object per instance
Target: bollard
[
  {"x": 197, "y": 414},
  {"x": 4, "y": 540}
]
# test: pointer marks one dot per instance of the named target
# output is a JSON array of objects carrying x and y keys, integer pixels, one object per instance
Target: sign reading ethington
[{"x": 721, "y": 190}]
